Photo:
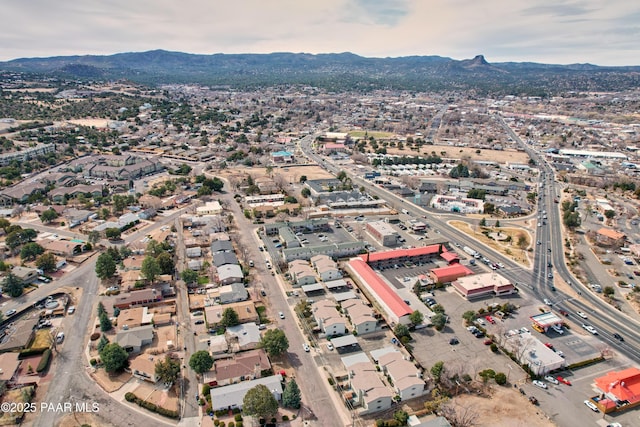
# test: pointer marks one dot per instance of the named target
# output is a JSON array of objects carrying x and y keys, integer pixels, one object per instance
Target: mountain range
[{"x": 339, "y": 71}]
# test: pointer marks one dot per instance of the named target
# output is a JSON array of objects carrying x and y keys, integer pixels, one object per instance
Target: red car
[
  {"x": 490, "y": 319},
  {"x": 488, "y": 341},
  {"x": 548, "y": 344},
  {"x": 563, "y": 380},
  {"x": 564, "y": 312}
]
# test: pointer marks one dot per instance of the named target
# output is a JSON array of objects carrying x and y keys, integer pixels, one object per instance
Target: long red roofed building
[{"x": 396, "y": 310}]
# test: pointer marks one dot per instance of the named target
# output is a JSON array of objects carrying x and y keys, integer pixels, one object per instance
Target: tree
[
  {"x": 608, "y": 291},
  {"x": 189, "y": 276},
  {"x": 497, "y": 223},
  {"x": 489, "y": 208},
  {"x": 150, "y": 268},
  {"x": 609, "y": 213},
  {"x": 401, "y": 330},
  {"x": 93, "y": 237},
  {"x": 438, "y": 308},
  {"x": 114, "y": 358},
  {"x": 439, "y": 320},
  {"x": 46, "y": 262},
  {"x": 469, "y": 315},
  {"x": 500, "y": 378},
  {"x": 102, "y": 343},
  {"x": 436, "y": 371},
  {"x": 291, "y": 395},
  {"x": 30, "y": 251},
  {"x": 275, "y": 342},
  {"x": 12, "y": 285},
  {"x": 101, "y": 309},
  {"x": 416, "y": 317},
  {"x": 201, "y": 361},
  {"x": 48, "y": 216},
  {"x": 483, "y": 222},
  {"x": 229, "y": 318},
  {"x": 168, "y": 370},
  {"x": 259, "y": 403},
  {"x": 105, "y": 266},
  {"x": 342, "y": 175},
  {"x": 105, "y": 323},
  {"x": 401, "y": 417},
  {"x": 165, "y": 262},
  {"x": 113, "y": 233},
  {"x": 303, "y": 179}
]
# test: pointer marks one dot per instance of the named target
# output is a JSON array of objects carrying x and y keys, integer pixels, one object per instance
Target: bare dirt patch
[
  {"x": 79, "y": 419},
  {"x": 289, "y": 173},
  {"x": 500, "y": 156},
  {"x": 110, "y": 383},
  {"x": 505, "y": 408},
  {"x": 508, "y": 246}
]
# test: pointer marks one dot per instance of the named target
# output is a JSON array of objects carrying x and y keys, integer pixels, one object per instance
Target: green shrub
[
  {"x": 95, "y": 336},
  {"x": 231, "y": 424},
  {"x": 494, "y": 347},
  {"x": 285, "y": 418},
  {"x": 331, "y": 382},
  {"x": 93, "y": 362},
  {"x": 130, "y": 397},
  {"x": 238, "y": 417},
  {"x": 44, "y": 362},
  {"x": 238, "y": 423},
  {"x": 216, "y": 422}
]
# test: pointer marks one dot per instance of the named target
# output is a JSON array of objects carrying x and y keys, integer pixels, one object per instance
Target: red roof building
[
  {"x": 396, "y": 310},
  {"x": 449, "y": 273},
  {"x": 620, "y": 390},
  {"x": 399, "y": 256},
  {"x": 450, "y": 257}
]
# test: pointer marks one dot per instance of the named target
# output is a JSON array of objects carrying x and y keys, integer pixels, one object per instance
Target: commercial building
[
  {"x": 619, "y": 390},
  {"x": 457, "y": 204},
  {"x": 450, "y": 273},
  {"x": 531, "y": 351},
  {"x": 395, "y": 309},
  {"x": 482, "y": 285},
  {"x": 383, "y": 233},
  {"x": 401, "y": 256},
  {"x": 210, "y": 208}
]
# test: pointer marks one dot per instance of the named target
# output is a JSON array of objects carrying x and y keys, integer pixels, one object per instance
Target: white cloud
[{"x": 563, "y": 31}]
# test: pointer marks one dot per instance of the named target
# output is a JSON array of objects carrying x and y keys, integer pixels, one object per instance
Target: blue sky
[{"x": 604, "y": 32}]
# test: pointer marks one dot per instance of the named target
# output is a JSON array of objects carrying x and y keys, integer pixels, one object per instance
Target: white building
[
  {"x": 210, "y": 208},
  {"x": 457, "y": 204},
  {"x": 328, "y": 318}
]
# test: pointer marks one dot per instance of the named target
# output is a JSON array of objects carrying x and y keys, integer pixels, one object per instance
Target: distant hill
[{"x": 336, "y": 71}]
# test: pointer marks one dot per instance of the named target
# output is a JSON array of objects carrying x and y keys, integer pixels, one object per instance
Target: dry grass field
[{"x": 449, "y": 151}]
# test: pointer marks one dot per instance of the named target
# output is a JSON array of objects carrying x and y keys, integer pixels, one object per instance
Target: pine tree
[{"x": 291, "y": 395}]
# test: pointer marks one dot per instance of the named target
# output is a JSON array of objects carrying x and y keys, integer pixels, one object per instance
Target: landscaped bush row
[
  {"x": 585, "y": 363},
  {"x": 44, "y": 362},
  {"x": 130, "y": 397},
  {"x": 30, "y": 352}
]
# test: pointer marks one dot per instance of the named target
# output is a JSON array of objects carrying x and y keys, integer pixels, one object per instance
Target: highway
[{"x": 606, "y": 319}]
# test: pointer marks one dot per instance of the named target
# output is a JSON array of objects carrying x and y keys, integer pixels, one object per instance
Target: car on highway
[
  {"x": 546, "y": 301},
  {"x": 306, "y": 347},
  {"x": 540, "y": 384},
  {"x": 591, "y": 405},
  {"x": 590, "y": 329},
  {"x": 618, "y": 337},
  {"x": 581, "y": 314},
  {"x": 552, "y": 380},
  {"x": 10, "y": 312},
  {"x": 550, "y": 275},
  {"x": 564, "y": 312}
]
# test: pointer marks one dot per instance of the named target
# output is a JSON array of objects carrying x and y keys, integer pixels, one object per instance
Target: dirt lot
[
  {"x": 505, "y": 408},
  {"x": 509, "y": 249},
  {"x": 79, "y": 419},
  {"x": 290, "y": 173},
  {"x": 499, "y": 156}
]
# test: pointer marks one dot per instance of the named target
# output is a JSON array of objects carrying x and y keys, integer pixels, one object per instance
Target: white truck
[{"x": 470, "y": 251}]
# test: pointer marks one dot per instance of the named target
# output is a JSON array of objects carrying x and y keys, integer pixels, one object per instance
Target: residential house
[
  {"x": 361, "y": 316},
  {"x": 218, "y": 246},
  {"x": 143, "y": 366},
  {"x": 229, "y": 273},
  {"x": 244, "y": 366},
  {"x": 326, "y": 268},
  {"x": 60, "y": 194},
  {"x": 133, "y": 339},
  {"x": 76, "y": 217},
  {"x": 62, "y": 248},
  {"x": 301, "y": 273},
  {"x": 135, "y": 298},
  {"x": 25, "y": 274},
  {"x": 148, "y": 201},
  {"x": 405, "y": 377},
  {"x": 233, "y": 292},
  {"x": 369, "y": 391},
  {"x": 20, "y": 193},
  {"x": 193, "y": 252},
  {"x": 243, "y": 337},
  {"x": 9, "y": 364},
  {"x": 246, "y": 311},
  {"x": 134, "y": 317},
  {"x": 222, "y": 258},
  {"x": 328, "y": 318},
  {"x": 232, "y": 396}
]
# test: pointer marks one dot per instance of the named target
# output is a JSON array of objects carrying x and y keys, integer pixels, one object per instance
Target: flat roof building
[
  {"x": 620, "y": 389},
  {"x": 484, "y": 284},
  {"x": 383, "y": 233}
]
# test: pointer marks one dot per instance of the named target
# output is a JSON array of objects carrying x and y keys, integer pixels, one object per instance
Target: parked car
[
  {"x": 540, "y": 384},
  {"x": 330, "y": 346},
  {"x": 199, "y": 322},
  {"x": 563, "y": 380},
  {"x": 490, "y": 319},
  {"x": 71, "y": 310},
  {"x": 60, "y": 337},
  {"x": 454, "y": 341},
  {"x": 591, "y": 405},
  {"x": 549, "y": 345},
  {"x": 281, "y": 314},
  {"x": 552, "y": 380},
  {"x": 546, "y": 301},
  {"x": 10, "y": 312},
  {"x": 306, "y": 347}
]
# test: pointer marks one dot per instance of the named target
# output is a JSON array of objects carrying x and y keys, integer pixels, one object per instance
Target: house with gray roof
[
  {"x": 133, "y": 339},
  {"x": 222, "y": 258},
  {"x": 221, "y": 246},
  {"x": 232, "y": 396}
]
